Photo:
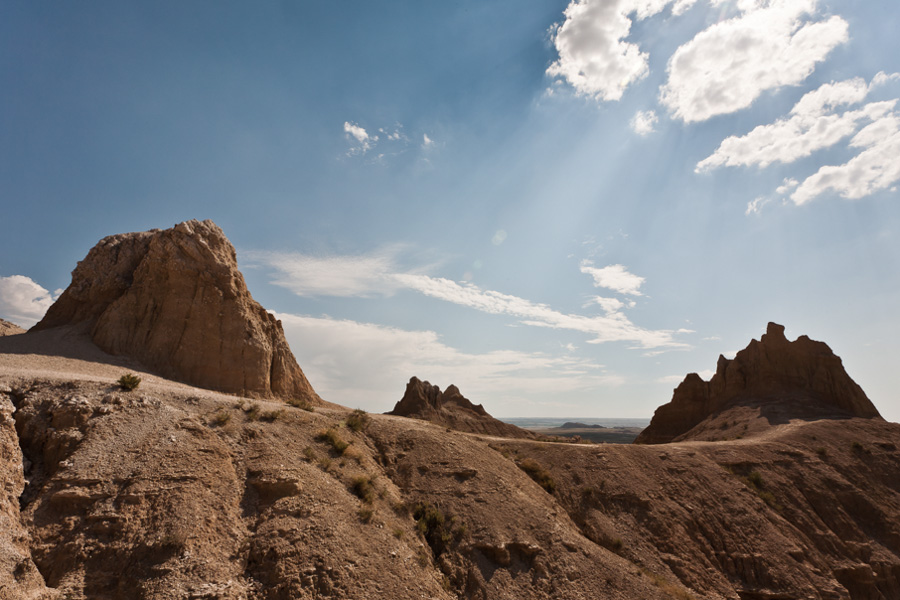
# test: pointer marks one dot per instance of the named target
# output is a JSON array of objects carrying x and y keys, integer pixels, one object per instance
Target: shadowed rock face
[
  {"x": 451, "y": 409},
  {"x": 799, "y": 379},
  {"x": 175, "y": 301}
]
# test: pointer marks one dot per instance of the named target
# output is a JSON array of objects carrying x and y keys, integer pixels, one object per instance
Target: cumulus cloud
[
  {"x": 367, "y": 365},
  {"x": 427, "y": 142},
  {"x": 771, "y": 44},
  {"x": 363, "y": 142},
  {"x": 22, "y": 301},
  {"x": 614, "y": 277},
  {"x": 813, "y": 124},
  {"x": 379, "y": 274},
  {"x": 643, "y": 122},
  {"x": 594, "y": 56},
  {"x": 875, "y": 168},
  {"x": 817, "y": 122}
]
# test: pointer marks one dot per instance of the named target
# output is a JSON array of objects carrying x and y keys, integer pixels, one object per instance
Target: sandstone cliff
[
  {"x": 175, "y": 301},
  {"x": 774, "y": 378},
  {"x": 451, "y": 409}
]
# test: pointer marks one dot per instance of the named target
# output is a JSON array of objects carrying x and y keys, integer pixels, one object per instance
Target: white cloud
[
  {"x": 811, "y": 126},
  {"x": 427, "y": 142},
  {"x": 724, "y": 68},
  {"x": 614, "y": 277},
  {"x": 364, "y": 275},
  {"x": 609, "y": 305},
  {"x": 378, "y": 274},
  {"x": 368, "y": 365},
  {"x": 594, "y": 57},
  {"x": 875, "y": 168},
  {"x": 643, "y": 122},
  {"x": 787, "y": 185},
  {"x": 499, "y": 237},
  {"x": 755, "y": 205},
  {"x": 22, "y": 301},
  {"x": 364, "y": 142}
]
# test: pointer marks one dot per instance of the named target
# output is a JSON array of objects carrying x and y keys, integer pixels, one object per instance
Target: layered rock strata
[
  {"x": 803, "y": 378},
  {"x": 175, "y": 300}
]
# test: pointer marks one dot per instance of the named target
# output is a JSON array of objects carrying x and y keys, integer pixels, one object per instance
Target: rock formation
[
  {"x": 175, "y": 301},
  {"x": 7, "y": 328},
  {"x": 799, "y": 379},
  {"x": 451, "y": 409}
]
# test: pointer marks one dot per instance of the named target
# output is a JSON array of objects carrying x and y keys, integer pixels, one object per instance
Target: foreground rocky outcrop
[
  {"x": 209, "y": 497},
  {"x": 450, "y": 408},
  {"x": 174, "y": 300},
  {"x": 771, "y": 378}
]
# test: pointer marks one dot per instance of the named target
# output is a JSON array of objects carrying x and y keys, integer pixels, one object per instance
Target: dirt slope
[{"x": 176, "y": 492}]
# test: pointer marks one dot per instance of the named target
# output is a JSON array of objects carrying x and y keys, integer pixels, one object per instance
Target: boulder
[
  {"x": 799, "y": 379},
  {"x": 175, "y": 300}
]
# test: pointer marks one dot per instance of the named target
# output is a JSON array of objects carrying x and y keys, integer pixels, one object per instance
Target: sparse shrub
[
  {"x": 399, "y": 533},
  {"x": 310, "y": 454},
  {"x": 271, "y": 415},
  {"x": 221, "y": 418},
  {"x": 857, "y": 447},
  {"x": 437, "y": 528},
  {"x": 300, "y": 403},
  {"x": 755, "y": 479},
  {"x": 822, "y": 451},
  {"x": 333, "y": 439},
  {"x": 616, "y": 545},
  {"x": 129, "y": 382},
  {"x": 363, "y": 488},
  {"x": 539, "y": 474},
  {"x": 358, "y": 420},
  {"x": 252, "y": 411},
  {"x": 365, "y": 514}
]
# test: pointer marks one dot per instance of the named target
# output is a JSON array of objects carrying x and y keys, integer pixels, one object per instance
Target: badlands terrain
[{"x": 224, "y": 475}]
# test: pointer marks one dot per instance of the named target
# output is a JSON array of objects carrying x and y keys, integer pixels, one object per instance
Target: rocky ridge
[
  {"x": 175, "y": 301},
  {"x": 773, "y": 378},
  {"x": 450, "y": 408},
  {"x": 7, "y": 328}
]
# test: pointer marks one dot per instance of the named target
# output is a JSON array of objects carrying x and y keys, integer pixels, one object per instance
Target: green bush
[
  {"x": 333, "y": 439},
  {"x": 358, "y": 420},
  {"x": 300, "y": 403},
  {"x": 129, "y": 382}
]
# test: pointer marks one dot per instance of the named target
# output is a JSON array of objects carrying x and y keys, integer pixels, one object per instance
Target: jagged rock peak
[
  {"x": 803, "y": 375},
  {"x": 175, "y": 300},
  {"x": 450, "y": 408},
  {"x": 422, "y": 398}
]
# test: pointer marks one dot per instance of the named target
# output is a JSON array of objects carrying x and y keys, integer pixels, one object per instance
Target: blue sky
[{"x": 562, "y": 208}]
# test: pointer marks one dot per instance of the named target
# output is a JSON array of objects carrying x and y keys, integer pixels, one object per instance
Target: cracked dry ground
[{"x": 173, "y": 492}]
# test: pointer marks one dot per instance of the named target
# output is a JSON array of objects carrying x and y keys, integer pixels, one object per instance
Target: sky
[{"x": 560, "y": 207}]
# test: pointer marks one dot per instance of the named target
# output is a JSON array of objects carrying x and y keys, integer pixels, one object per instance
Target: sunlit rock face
[
  {"x": 802, "y": 379},
  {"x": 175, "y": 300}
]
